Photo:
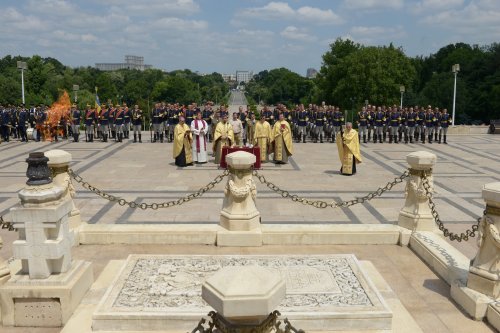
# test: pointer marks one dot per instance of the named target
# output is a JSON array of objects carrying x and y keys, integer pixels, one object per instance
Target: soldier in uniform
[
  {"x": 127, "y": 118},
  {"x": 429, "y": 124},
  {"x": 303, "y": 118},
  {"x": 207, "y": 115},
  {"x": 319, "y": 122},
  {"x": 379, "y": 121},
  {"x": 137, "y": 122},
  {"x": 90, "y": 121},
  {"x": 190, "y": 114},
  {"x": 338, "y": 119},
  {"x": 23, "y": 123},
  {"x": 395, "y": 120},
  {"x": 421, "y": 124},
  {"x": 445, "y": 122},
  {"x": 410, "y": 124},
  {"x": 75, "y": 122},
  {"x": 119, "y": 122},
  {"x": 157, "y": 119},
  {"x": 362, "y": 124},
  {"x": 104, "y": 124},
  {"x": 112, "y": 127},
  {"x": 436, "y": 121}
]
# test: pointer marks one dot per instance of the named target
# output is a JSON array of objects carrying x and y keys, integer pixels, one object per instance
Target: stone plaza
[{"x": 407, "y": 288}]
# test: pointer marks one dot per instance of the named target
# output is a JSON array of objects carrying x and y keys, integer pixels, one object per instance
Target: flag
[{"x": 97, "y": 102}]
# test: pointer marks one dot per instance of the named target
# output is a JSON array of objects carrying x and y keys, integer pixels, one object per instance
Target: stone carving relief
[{"x": 312, "y": 282}]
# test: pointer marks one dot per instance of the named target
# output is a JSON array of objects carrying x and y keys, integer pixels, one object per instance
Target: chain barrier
[
  {"x": 154, "y": 205},
  {"x": 333, "y": 204},
  {"x": 7, "y": 225},
  {"x": 451, "y": 235}
]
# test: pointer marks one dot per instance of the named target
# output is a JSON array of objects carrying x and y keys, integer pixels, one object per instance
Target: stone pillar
[
  {"x": 50, "y": 284},
  {"x": 239, "y": 217},
  {"x": 416, "y": 214},
  {"x": 58, "y": 163},
  {"x": 484, "y": 273},
  {"x": 245, "y": 295},
  {"x": 4, "y": 269}
]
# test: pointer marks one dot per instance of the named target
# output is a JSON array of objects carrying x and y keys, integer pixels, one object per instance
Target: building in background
[
  {"x": 131, "y": 62},
  {"x": 243, "y": 76},
  {"x": 311, "y": 73},
  {"x": 228, "y": 77}
]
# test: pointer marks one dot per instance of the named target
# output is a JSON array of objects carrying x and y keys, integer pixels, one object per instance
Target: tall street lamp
[
  {"x": 76, "y": 87},
  {"x": 455, "y": 69},
  {"x": 22, "y": 65},
  {"x": 402, "y": 91}
]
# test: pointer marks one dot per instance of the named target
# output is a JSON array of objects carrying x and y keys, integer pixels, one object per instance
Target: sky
[{"x": 228, "y": 35}]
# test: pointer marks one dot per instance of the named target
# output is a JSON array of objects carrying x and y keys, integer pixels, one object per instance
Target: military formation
[
  {"x": 316, "y": 123},
  {"x": 377, "y": 124}
]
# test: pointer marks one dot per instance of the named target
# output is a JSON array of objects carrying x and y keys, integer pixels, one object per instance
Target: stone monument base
[
  {"x": 163, "y": 293},
  {"x": 423, "y": 222},
  {"x": 45, "y": 302},
  {"x": 239, "y": 238}
]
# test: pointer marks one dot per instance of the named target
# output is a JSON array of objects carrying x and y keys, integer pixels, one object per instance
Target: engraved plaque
[{"x": 43, "y": 312}]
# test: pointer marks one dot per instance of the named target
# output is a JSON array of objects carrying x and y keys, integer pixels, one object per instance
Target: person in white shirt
[
  {"x": 199, "y": 128},
  {"x": 237, "y": 129}
]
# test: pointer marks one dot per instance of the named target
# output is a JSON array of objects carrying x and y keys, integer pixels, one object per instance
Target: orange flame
[{"x": 59, "y": 110}]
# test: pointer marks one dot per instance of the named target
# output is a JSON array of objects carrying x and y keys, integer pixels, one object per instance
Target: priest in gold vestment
[
  {"x": 348, "y": 147},
  {"x": 263, "y": 138},
  {"x": 223, "y": 136},
  {"x": 282, "y": 140},
  {"x": 182, "y": 144}
]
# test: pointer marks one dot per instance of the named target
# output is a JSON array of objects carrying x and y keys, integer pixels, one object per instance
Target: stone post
[
  {"x": 244, "y": 296},
  {"x": 58, "y": 163},
  {"x": 4, "y": 269},
  {"x": 416, "y": 214},
  {"x": 484, "y": 272},
  {"x": 239, "y": 217},
  {"x": 50, "y": 284}
]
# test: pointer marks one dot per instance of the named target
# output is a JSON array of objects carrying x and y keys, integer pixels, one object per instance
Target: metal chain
[
  {"x": 451, "y": 235},
  {"x": 333, "y": 204},
  {"x": 7, "y": 225},
  {"x": 154, "y": 205}
]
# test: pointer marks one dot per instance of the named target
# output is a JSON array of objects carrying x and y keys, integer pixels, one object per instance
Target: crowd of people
[{"x": 316, "y": 123}]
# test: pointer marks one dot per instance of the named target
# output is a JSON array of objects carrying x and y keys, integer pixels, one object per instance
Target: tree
[{"x": 356, "y": 73}]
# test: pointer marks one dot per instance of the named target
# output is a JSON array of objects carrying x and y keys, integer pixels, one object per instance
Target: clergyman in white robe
[{"x": 199, "y": 128}]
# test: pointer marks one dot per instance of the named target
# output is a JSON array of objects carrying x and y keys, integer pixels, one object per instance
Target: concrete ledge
[
  {"x": 448, "y": 262},
  {"x": 206, "y": 234},
  {"x": 468, "y": 129},
  {"x": 326, "y": 234},
  {"x": 493, "y": 315},
  {"x": 473, "y": 302},
  {"x": 93, "y": 234}
]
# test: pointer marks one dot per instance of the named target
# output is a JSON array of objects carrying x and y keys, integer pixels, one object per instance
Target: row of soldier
[{"x": 318, "y": 123}]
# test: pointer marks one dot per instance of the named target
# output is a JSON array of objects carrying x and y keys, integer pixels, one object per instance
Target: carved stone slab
[{"x": 162, "y": 292}]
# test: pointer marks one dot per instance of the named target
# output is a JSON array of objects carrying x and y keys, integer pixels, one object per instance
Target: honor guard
[
  {"x": 395, "y": 120},
  {"x": 429, "y": 120},
  {"x": 337, "y": 120},
  {"x": 23, "y": 124},
  {"x": 436, "y": 121},
  {"x": 207, "y": 115},
  {"x": 379, "y": 125},
  {"x": 5, "y": 124},
  {"x": 411, "y": 123},
  {"x": 445, "y": 122},
  {"x": 104, "y": 124},
  {"x": 119, "y": 122},
  {"x": 157, "y": 119},
  {"x": 75, "y": 122},
  {"x": 319, "y": 122},
  {"x": 127, "y": 119},
  {"x": 137, "y": 123},
  {"x": 362, "y": 124},
  {"x": 173, "y": 120},
  {"x": 421, "y": 124},
  {"x": 190, "y": 114},
  {"x": 111, "y": 120},
  {"x": 303, "y": 118},
  {"x": 90, "y": 121}
]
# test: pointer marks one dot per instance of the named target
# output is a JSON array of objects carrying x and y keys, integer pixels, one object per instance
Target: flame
[{"x": 58, "y": 110}]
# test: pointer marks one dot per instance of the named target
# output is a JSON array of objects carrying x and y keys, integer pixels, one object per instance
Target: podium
[{"x": 228, "y": 150}]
